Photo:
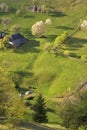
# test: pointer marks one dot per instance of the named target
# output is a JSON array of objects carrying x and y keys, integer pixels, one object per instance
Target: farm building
[{"x": 17, "y": 39}]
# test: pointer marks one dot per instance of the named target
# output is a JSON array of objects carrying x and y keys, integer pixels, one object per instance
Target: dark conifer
[{"x": 40, "y": 110}]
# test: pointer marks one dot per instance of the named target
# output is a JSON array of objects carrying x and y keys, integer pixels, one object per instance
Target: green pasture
[{"x": 52, "y": 75}]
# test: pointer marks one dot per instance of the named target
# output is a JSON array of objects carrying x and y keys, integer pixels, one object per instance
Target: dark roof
[
  {"x": 2, "y": 34},
  {"x": 17, "y": 39}
]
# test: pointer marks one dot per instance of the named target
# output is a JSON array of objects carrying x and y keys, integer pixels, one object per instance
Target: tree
[
  {"x": 74, "y": 115},
  {"x": 40, "y": 110},
  {"x": 84, "y": 25},
  {"x": 38, "y": 29},
  {"x": 4, "y": 7},
  {"x": 4, "y": 42},
  {"x": 48, "y": 21},
  {"x": 15, "y": 29},
  {"x": 60, "y": 39},
  {"x": 18, "y": 12},
  {"x": 5, "y": 21},
  {"x": 11, "y": 105}
]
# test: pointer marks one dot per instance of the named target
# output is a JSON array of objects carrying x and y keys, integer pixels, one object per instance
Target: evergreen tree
[{"x": 40, "y": 110}]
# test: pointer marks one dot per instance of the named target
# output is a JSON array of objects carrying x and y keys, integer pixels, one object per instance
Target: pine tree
[{"x": 40, "y": 110}]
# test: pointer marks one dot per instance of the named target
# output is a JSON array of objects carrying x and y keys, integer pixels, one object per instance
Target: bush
[
  {"x": 18, "y": 12},
  {"x": 84, "y": 58},
  {"x": 67, "y": 53},
  {"x": 48, "y": 47},
  {"x": 5, "y": 20},
  {"x": 84, "y": 24},
  {"x": 73, "y": 112},
  {"x": 15, "y": 28},
  {"x": 60, "y": 39},
  {"x": 38, "y": 29},
  {"x": 4, "y": 7},
  {"x": 12, "y": 9},
  {"x": 48, "y": 21}
]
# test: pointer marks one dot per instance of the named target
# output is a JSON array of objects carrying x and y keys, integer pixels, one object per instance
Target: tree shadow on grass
[
  {"x": 50, "y": 110},
  {"x": 4, "y": 13},
  {"x": 27, "y": 33},
  {"x": 57, "y": 14},
  {"x": 30, "y": 46},
  {"x": 18, "y": 76},
  {"x": 29, "y": 16},
  {"x": 24, "y": 73},
  {"x": 33, "y": 126},
  {"x": 75, "y": 43},
  {"x": 64, "y": 27},
  {"x": 21, "y": 74},
  {"x": 51, "y": 37}
]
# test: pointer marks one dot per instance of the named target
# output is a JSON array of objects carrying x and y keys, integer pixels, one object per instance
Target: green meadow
[{"x": 51, "y": 74}]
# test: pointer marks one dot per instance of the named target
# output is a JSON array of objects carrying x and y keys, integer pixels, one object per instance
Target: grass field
[{"x": 51, "y": 74}]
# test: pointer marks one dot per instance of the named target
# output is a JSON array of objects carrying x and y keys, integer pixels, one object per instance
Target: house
[{"x": 16, "y": 40}]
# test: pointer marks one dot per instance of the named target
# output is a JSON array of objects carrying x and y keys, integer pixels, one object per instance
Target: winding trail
[
  {"x": 36, "y": 126},
  {"x": 71, "y": 96}
]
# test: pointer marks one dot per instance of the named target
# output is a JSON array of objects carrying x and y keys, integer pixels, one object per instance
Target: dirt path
[
  {"x": 34, "y": 126},
  {"x": 72, "y": 96}
]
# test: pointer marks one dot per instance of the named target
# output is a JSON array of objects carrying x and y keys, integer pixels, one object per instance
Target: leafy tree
[
  {"x": 38, "y": 29},
  {"x": 4, "y": 42},
  {"x": 11, "y": 105},
  {"x": 60, "y": 39},
  {"x": 40, "y": 110},
  {"x": 4, "y": 7},
  {"x": 74, "y": 115},
  {"x": 18, "y": 12},
  {"x": 84, "y": 58},
  {"x": 15, "y": 29},
  {"x": 5, "y": 21}
]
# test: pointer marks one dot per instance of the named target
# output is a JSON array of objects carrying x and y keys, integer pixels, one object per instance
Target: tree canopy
[{"x": 11, "y": 105}]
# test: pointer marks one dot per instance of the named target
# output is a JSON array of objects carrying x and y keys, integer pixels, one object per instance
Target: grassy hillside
[{"x": 51, "y": 74}]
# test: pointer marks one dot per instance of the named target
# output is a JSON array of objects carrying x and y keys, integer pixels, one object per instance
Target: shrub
[
  {"x": 84, "y": 24},
  {"x": 5, "y": 20},
  {"x": 18, "y": 12},
  {"x": 48, "y": 21},
  {"x": 84, "y": 58},
  {"x": 60, "y": 39},
  {"x": 4, "y": 7},
  {"x": 73, "y": 112},
  {"x": 4, "y": 42},
  {"x": 38, "y": 29},
  {"x": 48, "y": 47},
  {"x": 45, "y": 9},
  {"x": 67, "y": 53},
  {"x": 15, "y": 28}
]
